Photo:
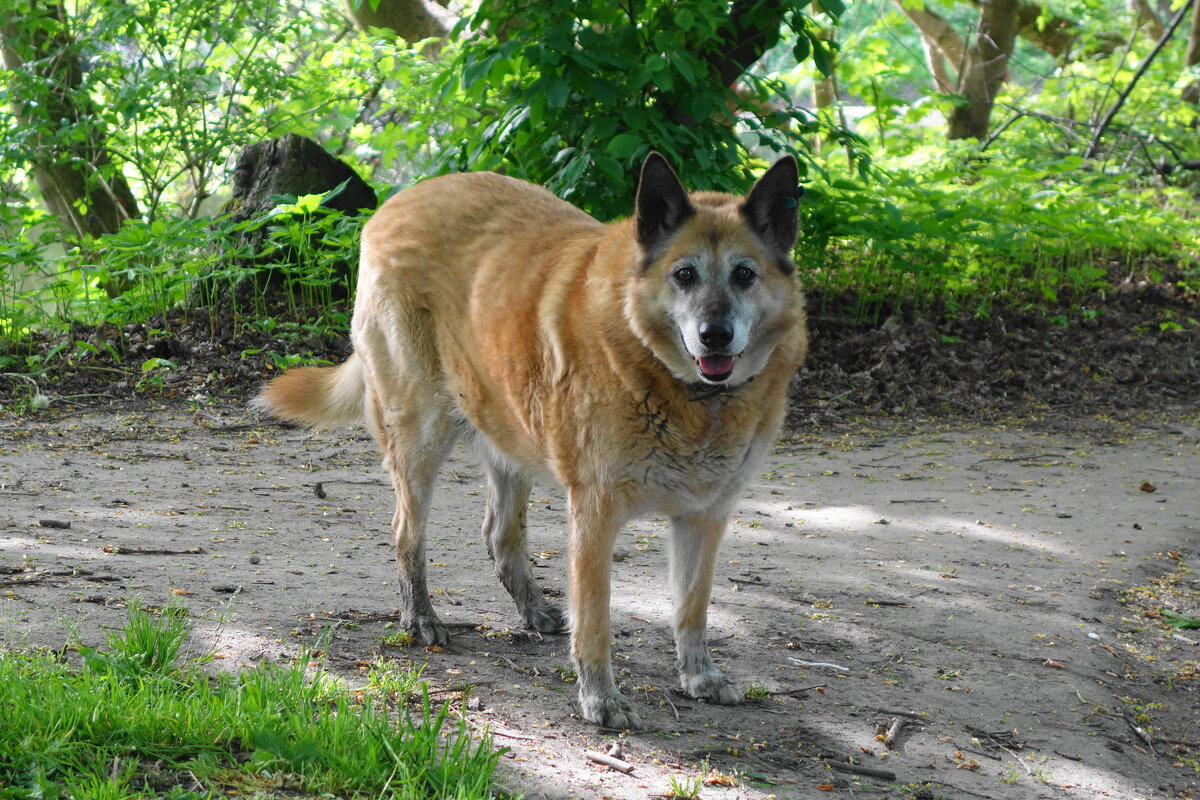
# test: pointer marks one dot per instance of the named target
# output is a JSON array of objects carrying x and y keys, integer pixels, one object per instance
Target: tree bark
[
  {"x": 936, "y": 59},
  {"x": 1056, "y": 35},
  {"x": 938, "y": 33},
  {"x": 290, "y": 165},
  {"x": 74, "y": 174},
  {"x": 411, "y": 20},
  {"x": 982, "y": 66},
  {"x": 986, "y": 69}
]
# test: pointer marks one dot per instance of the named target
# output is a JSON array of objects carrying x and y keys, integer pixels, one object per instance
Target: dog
[{"x": 643, "y": 365}]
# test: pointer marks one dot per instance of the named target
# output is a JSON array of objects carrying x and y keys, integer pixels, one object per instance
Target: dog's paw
[
  {"x": 713, "y": 686},
  {"x": 609, "y": 710},
  {"x": 546, "y": 618},
  {"x": 427, "y": 630}
]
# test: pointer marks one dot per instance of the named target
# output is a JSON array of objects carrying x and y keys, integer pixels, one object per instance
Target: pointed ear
[
  {"x": 662, "y": 203},
  {"x": 771, "y": 207}
]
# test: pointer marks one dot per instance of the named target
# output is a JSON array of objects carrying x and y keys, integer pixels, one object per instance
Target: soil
[{"x": 966, "y": 539}]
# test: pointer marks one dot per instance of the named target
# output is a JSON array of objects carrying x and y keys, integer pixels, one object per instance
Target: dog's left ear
[
  {"x": 771, "y": 207},
  {"x": 662, "y": 204}
]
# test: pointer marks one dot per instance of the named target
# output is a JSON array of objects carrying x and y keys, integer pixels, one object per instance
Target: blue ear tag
[{"x": 788, "y": 203}]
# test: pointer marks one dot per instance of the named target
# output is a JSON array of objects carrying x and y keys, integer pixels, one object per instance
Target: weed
[
  {"x": 757, "y": 692},
  {"x": 397, "y": 639},
  {"x": 685, "y": 788}
]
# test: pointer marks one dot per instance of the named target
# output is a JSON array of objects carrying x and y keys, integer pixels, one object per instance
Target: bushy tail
[{"x": 316, "y": 396}]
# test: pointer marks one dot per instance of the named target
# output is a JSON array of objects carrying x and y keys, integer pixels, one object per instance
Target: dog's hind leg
[
  {"x": 415, "y": 433},
  {"x": 694, "y": 542},
  {"x": 504, "y": 533}
]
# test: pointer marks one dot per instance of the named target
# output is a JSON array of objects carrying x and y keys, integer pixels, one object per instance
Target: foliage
[
  {"x": 577, "y": 100},
  {"x": 1010, "y": 229},
  {"x": 1022, "y": 216},
  {"x": 572, "y": 96},
  {"x": 137, "y": 721}
]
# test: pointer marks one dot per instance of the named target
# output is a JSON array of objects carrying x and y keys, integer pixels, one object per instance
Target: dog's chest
[{"x": 680, "y": 465}]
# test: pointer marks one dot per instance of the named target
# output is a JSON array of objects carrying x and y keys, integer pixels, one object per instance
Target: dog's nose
[{"x": 716, "y": 335}]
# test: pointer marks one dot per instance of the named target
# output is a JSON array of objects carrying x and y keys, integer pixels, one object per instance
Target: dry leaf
[
  {"x": 1148, "y": 487},
  {"x": 826, "y": 787},
  {"x": 717, "y": 778},
  {"x": 1051, "y": 663}
]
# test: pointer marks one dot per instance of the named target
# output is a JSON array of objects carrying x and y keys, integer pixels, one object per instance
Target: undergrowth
[
  {"x": 925, "y": 234},
  {"x": 136, "y": 719}
]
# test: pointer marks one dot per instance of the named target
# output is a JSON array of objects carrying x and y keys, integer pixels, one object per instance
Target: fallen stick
[
  {"x": 121, "y": 550},
  {"x": 870, "y": 772},
  {"x": 610, "y": 762},
  {"x": 1141, "y": 733},
  {"x": 797, "y": 692},
  {"x": 31, "y": 581},
  {"x": 889, "y": 738},
  {"x": 801, "y": 662}
]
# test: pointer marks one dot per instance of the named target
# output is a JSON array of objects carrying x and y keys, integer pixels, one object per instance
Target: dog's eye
[
  {"x": 743, "y": 275},
  {"x": 686, "y": 275}
]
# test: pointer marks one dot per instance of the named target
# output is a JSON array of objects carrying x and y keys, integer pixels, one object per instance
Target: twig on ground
[
  {"x": 121, "y": 550},
  {"x": 798, "y": 692},
  {"x": 889, "y": 738},
  {"x": 802, "y": 663},
  {"x": 1141, "y": 733},
  {"x": 610, "y": 762}
]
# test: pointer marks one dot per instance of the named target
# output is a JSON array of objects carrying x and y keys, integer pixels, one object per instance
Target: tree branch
[
  {"x": 1159, "y": 45},
  {"x": 937, "y": 30}
]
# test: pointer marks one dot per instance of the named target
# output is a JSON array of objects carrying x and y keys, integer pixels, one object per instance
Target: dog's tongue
[{"x": 716, "y": 365}]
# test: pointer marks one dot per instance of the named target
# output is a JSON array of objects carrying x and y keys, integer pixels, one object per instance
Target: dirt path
[{"x": 994, "y": 589}]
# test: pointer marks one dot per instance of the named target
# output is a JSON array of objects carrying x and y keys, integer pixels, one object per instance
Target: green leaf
[
  {"x": 822, "y": 57},
  {"x": 624, "y": 145},
  {"x": 1179, "y": 620},
  {"x": 557, "y": 90},
  {"x": 834, "y": 8},
  {"x": 156, "y": 363},
  {"x": 802, "y": 49}
]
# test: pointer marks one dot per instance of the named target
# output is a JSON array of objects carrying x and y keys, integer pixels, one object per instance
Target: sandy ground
[{"x": 989, "y": 592}]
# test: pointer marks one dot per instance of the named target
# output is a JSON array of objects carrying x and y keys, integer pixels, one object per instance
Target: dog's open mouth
[{"x": 715, "y": 368}]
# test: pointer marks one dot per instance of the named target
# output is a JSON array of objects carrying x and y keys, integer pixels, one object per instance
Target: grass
[{"x": 136, "y": 720}]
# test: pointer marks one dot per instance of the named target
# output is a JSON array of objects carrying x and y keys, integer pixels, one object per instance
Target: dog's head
[{"x": 716, "y": 288}]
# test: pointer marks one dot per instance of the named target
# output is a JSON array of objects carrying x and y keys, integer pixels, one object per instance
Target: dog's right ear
[{"x": 662, "y": 204}]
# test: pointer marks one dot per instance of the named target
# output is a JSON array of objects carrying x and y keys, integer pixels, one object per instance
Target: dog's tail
[{"x": 316, "y": 396}]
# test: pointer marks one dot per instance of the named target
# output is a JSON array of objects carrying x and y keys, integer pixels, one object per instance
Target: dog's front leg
[
  {"x": 695, "y": 539},
  {"x": 593, "y": 531}
]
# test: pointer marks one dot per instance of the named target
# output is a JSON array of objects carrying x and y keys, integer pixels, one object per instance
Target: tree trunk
[
  {"x": 1055, "y": 34},
  {"x": 985, "y": 70},
  {"x": 935, "y": 59},
  {"x": 411, "y": 20},
  {"x": 1191, "y": 92},
  {"x": 291, "y": 165},
  {"x": 938, "y": 33},
  {"x": 75, "y": 175}
]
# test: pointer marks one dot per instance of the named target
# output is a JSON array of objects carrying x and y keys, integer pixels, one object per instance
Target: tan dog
[{"x": 643, "y": 365}]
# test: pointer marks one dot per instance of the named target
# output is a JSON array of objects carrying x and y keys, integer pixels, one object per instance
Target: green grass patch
[{"x": 133, "y": 719}]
